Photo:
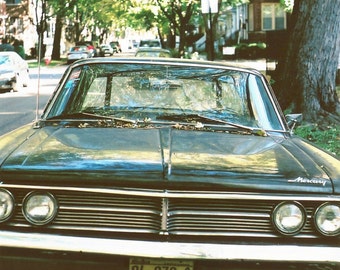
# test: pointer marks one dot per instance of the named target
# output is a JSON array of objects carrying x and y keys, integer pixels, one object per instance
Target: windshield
[{"x": 151, "y": 91}]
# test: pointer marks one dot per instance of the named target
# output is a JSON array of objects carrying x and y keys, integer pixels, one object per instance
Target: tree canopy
[{"x": 170, "y": 17}]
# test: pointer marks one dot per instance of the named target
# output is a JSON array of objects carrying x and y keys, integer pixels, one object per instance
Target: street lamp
[{"x": 210, "y": 7}]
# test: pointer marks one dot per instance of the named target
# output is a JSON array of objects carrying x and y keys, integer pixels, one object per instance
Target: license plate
[{"x": 160, "y": 264}]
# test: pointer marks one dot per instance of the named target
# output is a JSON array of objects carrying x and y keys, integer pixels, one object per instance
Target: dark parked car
[
  {"x": 91, "y": 47},
  {"x": 115, "y": 46},
  {"x": 165, "y": 164},
  {"x": 150, "y": 43},
  {"x": 14, "y": 72}
]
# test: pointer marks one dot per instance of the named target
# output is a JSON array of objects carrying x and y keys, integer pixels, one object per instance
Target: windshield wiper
[
  {"x": 83, "y": 116},
  {"x": 195, "y": 118}
]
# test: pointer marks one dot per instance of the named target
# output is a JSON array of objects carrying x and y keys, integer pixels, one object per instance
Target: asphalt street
[{"x": 20, "y": 108}]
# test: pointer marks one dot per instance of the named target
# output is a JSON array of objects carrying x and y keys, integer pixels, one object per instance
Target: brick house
[{"x": 267, "y": 22}]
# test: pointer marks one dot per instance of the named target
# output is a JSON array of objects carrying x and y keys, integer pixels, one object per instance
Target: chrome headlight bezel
[
  {"x": 39, "y": 208},
  {"x": 296, "y": 215},
  {"x": 335, "y": 215},
  {"x": 7, "y": 205}
]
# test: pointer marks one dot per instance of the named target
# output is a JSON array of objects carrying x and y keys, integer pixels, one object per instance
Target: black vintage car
[{"x": 155, "y": 164}]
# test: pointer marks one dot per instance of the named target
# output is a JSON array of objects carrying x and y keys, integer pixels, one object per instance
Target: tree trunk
[
  {"x": 57, "y": 38},
  {"x": 307, "y": 80}
]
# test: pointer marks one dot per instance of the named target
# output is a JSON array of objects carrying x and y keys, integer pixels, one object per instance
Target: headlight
[
  {"x": 39, "y": 208},
  {"x": 289, "y": 218},
  {"x": 327, "y": 219},
  {"x": 6, "y": 205}
]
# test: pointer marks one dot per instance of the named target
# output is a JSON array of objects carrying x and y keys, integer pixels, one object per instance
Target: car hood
[
  {"x": 168, "y": 157},
  {"x": 5, "y": 70}
]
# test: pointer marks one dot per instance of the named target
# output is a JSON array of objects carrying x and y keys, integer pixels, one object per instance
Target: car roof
[
  {"x": 80, "y": 46},
  {"x": 164, "y": 61},
  {"x": 152, "y": 49}
]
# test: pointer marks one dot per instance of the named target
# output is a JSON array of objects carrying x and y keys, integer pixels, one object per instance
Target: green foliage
[
  {"x": 327, "y": 138},
  {"x": 287, "y": 5}
]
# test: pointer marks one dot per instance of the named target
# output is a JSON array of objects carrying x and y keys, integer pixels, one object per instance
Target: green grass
[
  {"x": 328, "y": 139},
  {"x": 53, "y": 63}
]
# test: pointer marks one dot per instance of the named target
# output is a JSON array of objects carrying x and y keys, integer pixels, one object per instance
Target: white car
[
  {"x": 106, "y": 50},
  {"x": 14, "y": 72},
  {"x": 78, "y": 52}
]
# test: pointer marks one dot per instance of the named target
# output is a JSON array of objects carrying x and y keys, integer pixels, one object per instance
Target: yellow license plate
[{"x": 160, "y": 264}]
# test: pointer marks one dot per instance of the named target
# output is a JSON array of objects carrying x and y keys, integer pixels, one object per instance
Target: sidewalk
[{"x": 258, "y": 64}]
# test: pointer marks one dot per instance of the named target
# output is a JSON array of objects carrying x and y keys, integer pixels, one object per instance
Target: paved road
[{"x": 19, "y": 108}]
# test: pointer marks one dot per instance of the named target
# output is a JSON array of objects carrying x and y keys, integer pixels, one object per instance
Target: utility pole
[{"x": 210, "y": 7}]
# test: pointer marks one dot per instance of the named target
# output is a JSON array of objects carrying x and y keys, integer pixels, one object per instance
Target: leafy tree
[
  {"x": 211, "y": 31},
  {"x": 60, "y": 9},
  {"x": 81, "y": 14},
  {"x": 179, "y": 13},
  {"x": 307, "y": 75},
  {"x": 41, "y": 23}
]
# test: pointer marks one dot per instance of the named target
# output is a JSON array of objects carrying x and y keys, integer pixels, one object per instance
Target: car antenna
[{"x": 39, "y": 71}]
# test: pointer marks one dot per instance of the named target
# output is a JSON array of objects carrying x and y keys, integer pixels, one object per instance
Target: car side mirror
[{"x": 293, "y": 119}]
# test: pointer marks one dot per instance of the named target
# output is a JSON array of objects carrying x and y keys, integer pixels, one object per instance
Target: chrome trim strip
[
  {"x": 282, "y": 253},
  {"x": 181, "y": 194}
]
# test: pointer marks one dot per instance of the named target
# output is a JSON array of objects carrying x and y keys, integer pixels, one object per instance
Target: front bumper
[
  {"x": 169, "y": 250},
  {"x": 6, "y": 83}
]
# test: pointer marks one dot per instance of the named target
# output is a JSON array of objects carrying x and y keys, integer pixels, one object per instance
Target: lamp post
[{"x": 210, "y": 7}]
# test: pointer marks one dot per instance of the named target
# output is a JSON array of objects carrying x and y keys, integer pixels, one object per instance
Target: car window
[
  {"x": 135, "y": 91},
  {"x": 5, "y": 60},
  {"x": 96, "y": 94},
  {"x": 150, "y": 43}
]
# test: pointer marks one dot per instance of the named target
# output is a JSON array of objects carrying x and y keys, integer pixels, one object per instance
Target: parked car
[
  {"x": 150, "y": 43},
  {"x": 165, "y": 164},
  {"x": 78, "y": 52},
  {"x": 152, "y": 52},
  {"x": 91, "y": 47},
  {"x": 116, "y": 47},
  {"x": 106, "y": 50},
  {"x": 14, "y": 71}
]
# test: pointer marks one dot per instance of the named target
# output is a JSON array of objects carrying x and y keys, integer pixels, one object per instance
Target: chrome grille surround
[{"x": 164, "y": 212}]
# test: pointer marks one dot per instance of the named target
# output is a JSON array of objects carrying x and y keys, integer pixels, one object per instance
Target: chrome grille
[
  {"x": 160, "y": 214},
  {"x": 210, "y": 217},
  {"x": 112, "y": 213}
]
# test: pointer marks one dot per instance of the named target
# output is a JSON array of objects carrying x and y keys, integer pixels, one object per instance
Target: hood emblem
[{"x": 313, "y": 181}]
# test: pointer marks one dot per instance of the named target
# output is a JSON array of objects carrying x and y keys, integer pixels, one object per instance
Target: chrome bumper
[{"x": 194, "y": 251}]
